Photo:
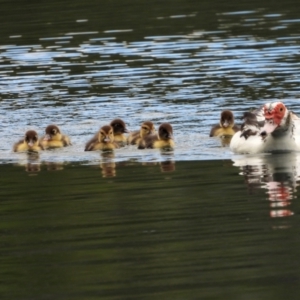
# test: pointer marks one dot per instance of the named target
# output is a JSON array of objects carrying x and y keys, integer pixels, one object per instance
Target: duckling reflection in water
[
  {"x": 168, "y": 163},
  {"x": 107, "y": 165},
  {"x": 32, "y": 163},
  {"x": 54, "y": 138},
  {"x": 119, "y": 128},
  {"x": 54, "y": 166},
  {"x": 167, "y": 166},
  {"x": 30, "y": 143},
  {"x": 226, "y": 127},
  {"x": 103, "y": 140},
  {"x": 162, "y": 140},
  {"x": 147, "y": 128}
]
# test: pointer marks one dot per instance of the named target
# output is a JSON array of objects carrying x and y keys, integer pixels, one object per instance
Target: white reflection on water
[{"x": 278, "y": 174}]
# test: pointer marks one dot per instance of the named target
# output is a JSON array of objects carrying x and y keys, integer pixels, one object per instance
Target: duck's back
[
  {"x": 134, "y": 137},
  {"x": 217, "y": 130},
  {"x": 20, "y": 146},
  {"x": 120, "y": 138}
]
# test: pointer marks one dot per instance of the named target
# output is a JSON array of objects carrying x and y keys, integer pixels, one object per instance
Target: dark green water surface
[{"x": 190, "y": 230}]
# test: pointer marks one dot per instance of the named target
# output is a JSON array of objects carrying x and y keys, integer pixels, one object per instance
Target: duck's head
[
  {"x": 106, "y": 134},
  {"x": 147, "y": 128},
  {"x": 118, "y": 126},
  {"x": 275, "y": 115},
  {"x": 226, "y": 119},
  {"x": 52, "y": 133},
  {"x": 165, "y": 131},
  {"x": 31, "y": 138}
]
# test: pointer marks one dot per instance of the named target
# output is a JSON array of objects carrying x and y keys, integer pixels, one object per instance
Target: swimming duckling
[
  {"x": 162, "y": 140},
  {"x": 103, "y": 140},
  {"x": 54, "y": 138},
  {"x": 30, "y": 143},
  {"x": 135, "y": 137},
  {"x": 226, "y": 127},
  {"x": 119, "y": 128}
]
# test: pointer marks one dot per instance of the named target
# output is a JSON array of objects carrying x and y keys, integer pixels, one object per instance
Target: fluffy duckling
[
  {"x": 162, "y": 140},
  {"x": 226, "y": 127},
  {"x": 119, "y": 128},
  {"x": 54, "y": 138},
  {"x": 30, "y": 143},
  {"x": 147, "y": 128},
  {"x": 103, "y": 140}
]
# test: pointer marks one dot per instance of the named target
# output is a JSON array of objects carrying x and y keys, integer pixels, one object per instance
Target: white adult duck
[{"x": 268, "y": 129}]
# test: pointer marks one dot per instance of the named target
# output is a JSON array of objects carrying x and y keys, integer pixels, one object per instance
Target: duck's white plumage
[{"x": 268, "y": 129}]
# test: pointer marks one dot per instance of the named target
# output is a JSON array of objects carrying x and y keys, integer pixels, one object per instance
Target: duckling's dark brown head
[
  {"x": 118, "y": 126},
  {"x": 106, "y": 134},
  {"x": 31, "y": 137},
  {"x": 165, "y": 131},
  {"x": 51, "y": 131},
  {"x": 147, "y": 128},
  {"x": 227, "y": 119}
]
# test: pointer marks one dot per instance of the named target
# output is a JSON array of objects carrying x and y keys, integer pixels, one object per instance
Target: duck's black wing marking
[{"x": 253, "y": 122}]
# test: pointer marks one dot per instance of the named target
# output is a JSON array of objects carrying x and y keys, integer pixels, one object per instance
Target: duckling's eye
[
  {"x": 53, "y": 131},
  {"x": 145, "y": 128}
]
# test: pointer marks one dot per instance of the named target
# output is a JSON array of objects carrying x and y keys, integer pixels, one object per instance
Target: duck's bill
[
  {"x": 225, "y": 124},
  {"x": 269, "y": 126},
  {"x": 47, "y": 137}
]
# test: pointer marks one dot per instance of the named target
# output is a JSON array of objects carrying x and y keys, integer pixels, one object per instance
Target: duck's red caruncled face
[{"x": 273, "y": 115}]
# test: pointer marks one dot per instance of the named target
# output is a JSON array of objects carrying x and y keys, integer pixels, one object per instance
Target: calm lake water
[{"x": 196, "y": 223}]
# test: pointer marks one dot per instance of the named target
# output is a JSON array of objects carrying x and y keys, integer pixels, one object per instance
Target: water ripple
[{"x": 186, "y": 78}]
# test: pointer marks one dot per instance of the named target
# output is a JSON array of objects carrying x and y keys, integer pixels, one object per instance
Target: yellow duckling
[
  {"x": 119, "y": 128},
  {"x": 54, "y": 138},
  {"x": 103, "y": 140},
  {"x": 162, "y": 140},
  {"x": 135, "y": 137},
  {"x": 30, "y": 143},
  {"x": 226, "y": 127}
]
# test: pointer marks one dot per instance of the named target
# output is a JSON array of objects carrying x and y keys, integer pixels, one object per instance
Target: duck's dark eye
[{"x": 145, "y": 128}]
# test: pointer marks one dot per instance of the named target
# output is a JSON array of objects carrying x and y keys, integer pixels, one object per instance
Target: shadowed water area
[{"x": 195, "y": 223}]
